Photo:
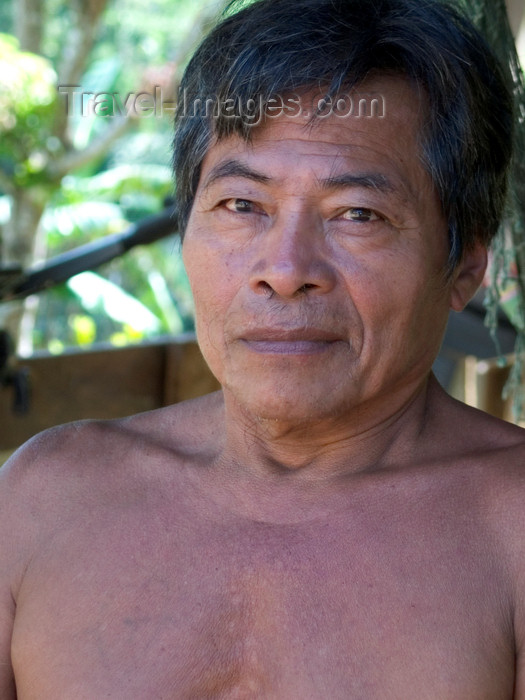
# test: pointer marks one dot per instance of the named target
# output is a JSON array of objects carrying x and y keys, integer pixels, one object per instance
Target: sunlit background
[{"x": 69, "y": 179}]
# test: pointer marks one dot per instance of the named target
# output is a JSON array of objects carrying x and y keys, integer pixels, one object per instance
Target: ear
[{"x": 467, "y": 276}]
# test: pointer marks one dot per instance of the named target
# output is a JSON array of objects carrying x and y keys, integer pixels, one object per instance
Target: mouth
[{"x": 303, "y": 341}]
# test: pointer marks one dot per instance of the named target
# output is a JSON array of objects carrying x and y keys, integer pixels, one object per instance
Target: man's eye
[
  {"x": 242, "y": 206},
  {"x": 360, "y": 214}
]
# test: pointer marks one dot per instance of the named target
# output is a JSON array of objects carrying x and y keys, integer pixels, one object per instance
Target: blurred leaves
[
  {"x": 91, "y": 166},
  {"x": 28, "y": 102},
  {"x": 97, "y": 293}
]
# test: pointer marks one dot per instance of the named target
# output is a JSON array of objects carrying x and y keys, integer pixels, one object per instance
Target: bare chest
[{"x": 130, "y": 609}]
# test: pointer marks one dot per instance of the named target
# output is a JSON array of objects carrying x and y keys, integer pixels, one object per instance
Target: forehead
[{"x": 376, "y": 127}]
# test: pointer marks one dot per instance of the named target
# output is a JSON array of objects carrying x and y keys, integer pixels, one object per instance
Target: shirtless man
[{"x": 330, "y": 526}]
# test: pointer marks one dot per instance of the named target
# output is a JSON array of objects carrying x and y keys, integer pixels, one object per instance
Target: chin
[{"x": 287, "y": 407}]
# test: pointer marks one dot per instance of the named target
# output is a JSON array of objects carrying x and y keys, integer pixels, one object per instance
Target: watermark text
[{"x": 252, "y": 111}]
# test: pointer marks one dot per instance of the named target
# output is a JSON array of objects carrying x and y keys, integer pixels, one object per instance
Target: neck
[
  {"x": 368, "y": 438},
  {"x": 290, "y": 474}
]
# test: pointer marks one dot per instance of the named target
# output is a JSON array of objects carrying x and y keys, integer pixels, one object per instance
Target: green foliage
[
  {"x": 27, "y": 109},
  {"x": 143, "y": 294},
  {"x": 154, "y": 181},
  {"x": 6, "y": 18},
  {"x": 145, "y": 32},
  {"x": 137, "y": 47}
]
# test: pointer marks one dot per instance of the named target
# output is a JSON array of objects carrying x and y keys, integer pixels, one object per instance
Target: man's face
[{"x": 317, "y": 257}]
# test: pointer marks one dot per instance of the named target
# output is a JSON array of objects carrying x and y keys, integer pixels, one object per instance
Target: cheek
[
  {"x": 397, "y": 296},
  {"x": 203, "y": 267},
  {"x": 379, "y": 281},
  {"x": 213, "y": 289}
]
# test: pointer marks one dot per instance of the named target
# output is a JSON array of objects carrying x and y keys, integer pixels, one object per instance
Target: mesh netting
[{"x": 506, "y": 276}]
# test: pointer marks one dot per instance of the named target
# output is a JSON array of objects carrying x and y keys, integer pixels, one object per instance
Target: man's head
[
  {"x": 317, "y": 256},
  {"x": 278, "y": 50}
]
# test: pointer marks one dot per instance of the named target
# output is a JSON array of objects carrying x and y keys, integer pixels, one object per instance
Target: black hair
[{"x": 276, "y": 47}]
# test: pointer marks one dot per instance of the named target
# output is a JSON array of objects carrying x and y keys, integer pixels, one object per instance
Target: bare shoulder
[
  {"x": 490, "y": 468},
  {"x": 46, "y": 479},
  {"x": 482, "y": 459},
  {"x": 70, "y": 477},
  {"x": 464, "y": 429},
  {"x": 178, "y": 428},
  {"x": 188, "y": 427},
  {"x": 495, "y": 449},
  {"x": 495, "y": 477}
]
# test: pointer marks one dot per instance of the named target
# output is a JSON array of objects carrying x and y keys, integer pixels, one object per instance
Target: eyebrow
[
  {"x": 374, "y": 181},
  {"x": 235, "y": 168}
]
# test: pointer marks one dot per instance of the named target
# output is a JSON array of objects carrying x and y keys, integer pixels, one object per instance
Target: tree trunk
[
  {"x": 19, "y": 246},
  {"x": 29, "y": 23}
]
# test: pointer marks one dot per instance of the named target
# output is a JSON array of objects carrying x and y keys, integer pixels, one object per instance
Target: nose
[{"x": 292, "y": 258}]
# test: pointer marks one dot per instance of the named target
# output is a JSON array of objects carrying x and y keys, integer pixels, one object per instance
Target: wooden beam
[{"x": 107, "y": 383}]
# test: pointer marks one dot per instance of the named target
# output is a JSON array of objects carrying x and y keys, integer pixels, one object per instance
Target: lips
[{"x": 299, "y": 341}]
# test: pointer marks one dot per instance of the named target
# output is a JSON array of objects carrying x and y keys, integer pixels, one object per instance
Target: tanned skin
[{"x": 331, "y": 524}]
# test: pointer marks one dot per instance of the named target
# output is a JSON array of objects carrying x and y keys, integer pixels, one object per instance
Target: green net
[{"x": 506, "y": 287}]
